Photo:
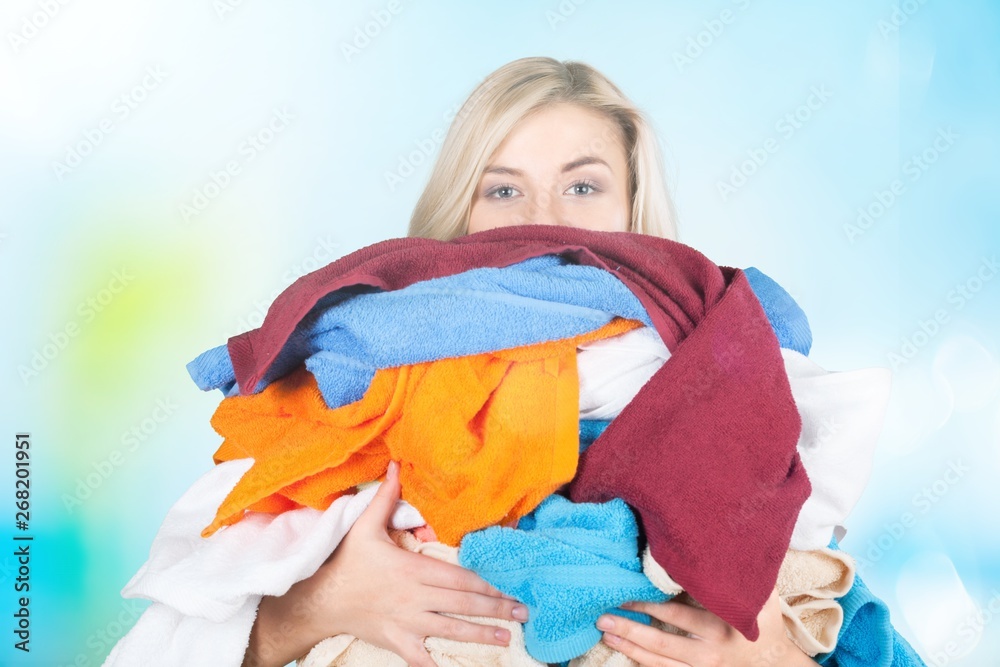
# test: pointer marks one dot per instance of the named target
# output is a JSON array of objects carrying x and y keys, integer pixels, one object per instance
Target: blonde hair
[{"x": 508, "y": 95}]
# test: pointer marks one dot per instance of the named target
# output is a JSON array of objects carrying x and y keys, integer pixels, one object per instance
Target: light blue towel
[
  {"x": 568, "y": 563},
  {"x": 867, "y": 638},
  {"x": 355, "y": 331},
  {"x": 590, "y": 430},
  {"x": 787, "y": 318},
  {"x": 343, "y": 342}
]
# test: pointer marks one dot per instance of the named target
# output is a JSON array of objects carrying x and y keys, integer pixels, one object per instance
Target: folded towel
[
  {"x": 808, "y": 583},
  {"x": 568, "y": 563},
  {"x": 729, "y": 495},
  {"x": 821, "y": 573},
  {"x": 462, "y": 454},
  {"x": 205, "y": 592}
]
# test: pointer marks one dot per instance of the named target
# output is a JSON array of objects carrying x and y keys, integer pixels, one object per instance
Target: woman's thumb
[{"x": 383, "y": 504}]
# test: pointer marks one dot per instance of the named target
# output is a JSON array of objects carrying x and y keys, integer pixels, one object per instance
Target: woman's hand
[
  {"x": 380, "y": 593},
  {"x": 715, "y": 642}
]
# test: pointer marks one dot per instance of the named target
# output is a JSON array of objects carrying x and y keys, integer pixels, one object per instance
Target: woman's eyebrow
[
  {"x": 569, "y": 166},
  {"x": 503, "y": 170},
  {"x": 587, "y": 159}
]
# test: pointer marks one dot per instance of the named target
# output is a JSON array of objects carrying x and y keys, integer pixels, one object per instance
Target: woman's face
[{"x": 562, "y": 165}]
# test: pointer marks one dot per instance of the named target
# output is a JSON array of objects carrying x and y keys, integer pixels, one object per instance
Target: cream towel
[{"x": 808, "y": 582}]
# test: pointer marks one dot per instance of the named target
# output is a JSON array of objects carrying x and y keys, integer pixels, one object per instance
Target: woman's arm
[
  {"x": 716, "y": 642},
  {"x": 383, "y": 594}
]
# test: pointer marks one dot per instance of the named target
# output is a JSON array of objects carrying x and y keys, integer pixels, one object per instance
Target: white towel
[
  {"x": 613, "y": 370},
  {"x": 205, "y": 592},
  {"x": 842, "y": 414}
]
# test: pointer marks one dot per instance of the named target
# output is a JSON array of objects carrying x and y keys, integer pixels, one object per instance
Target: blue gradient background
[{"x": 319, "y": 190}]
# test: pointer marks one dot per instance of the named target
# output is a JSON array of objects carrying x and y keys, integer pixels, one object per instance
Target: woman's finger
[
  {"x": 379, "y": 511},
  {"x": 651, "y": 641},
  {"x": 475, "y": 604},
  {"x": 461, "y": 630},
  {"x": 694, "y": 620},
  {"x": 454, "y": 577}
]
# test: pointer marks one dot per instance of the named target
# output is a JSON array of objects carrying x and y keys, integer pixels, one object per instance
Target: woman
[{"x": 538, "y": 142}]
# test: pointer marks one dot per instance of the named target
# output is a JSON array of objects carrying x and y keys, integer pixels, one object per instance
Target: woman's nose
[{"x": 544, "y": 210}]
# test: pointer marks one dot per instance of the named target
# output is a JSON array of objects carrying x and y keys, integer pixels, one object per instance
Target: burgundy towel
[{"x": 705, "y": 452}]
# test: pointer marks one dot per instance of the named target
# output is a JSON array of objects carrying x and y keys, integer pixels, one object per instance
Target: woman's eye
[
  {"x": 583, "y": 188},
  {"x": 502, "y": 192}
]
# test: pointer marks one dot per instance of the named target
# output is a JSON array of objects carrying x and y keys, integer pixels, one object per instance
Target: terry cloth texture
[
  {"x": 789, "y": 322},
  {"x": 205, "y": 592},
  {"x": 540, "y": 298},
  {"x": 716, "y": 423},
  {"x": 462, "y": 454},
  {"x": 344, "y": 341},
  {"x": 807, "y": 585},
  {"x": 568, "y": 563}
]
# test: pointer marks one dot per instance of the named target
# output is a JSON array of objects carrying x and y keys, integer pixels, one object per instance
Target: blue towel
[
  {"x": 568, "y": 563},
  {"x": 787, "y": 319},
  {"x": 355, "y": 331},
  {"x": 344, "y": 342},
  {"x": 590, "y": 430},
  {"x": 867, "y": 638}
]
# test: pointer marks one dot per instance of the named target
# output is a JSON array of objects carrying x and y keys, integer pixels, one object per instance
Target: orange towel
[{"x": 481, "y": 439}]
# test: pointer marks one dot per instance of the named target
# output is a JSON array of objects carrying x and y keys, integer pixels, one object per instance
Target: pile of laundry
[{"x": 582, "y": 418}]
